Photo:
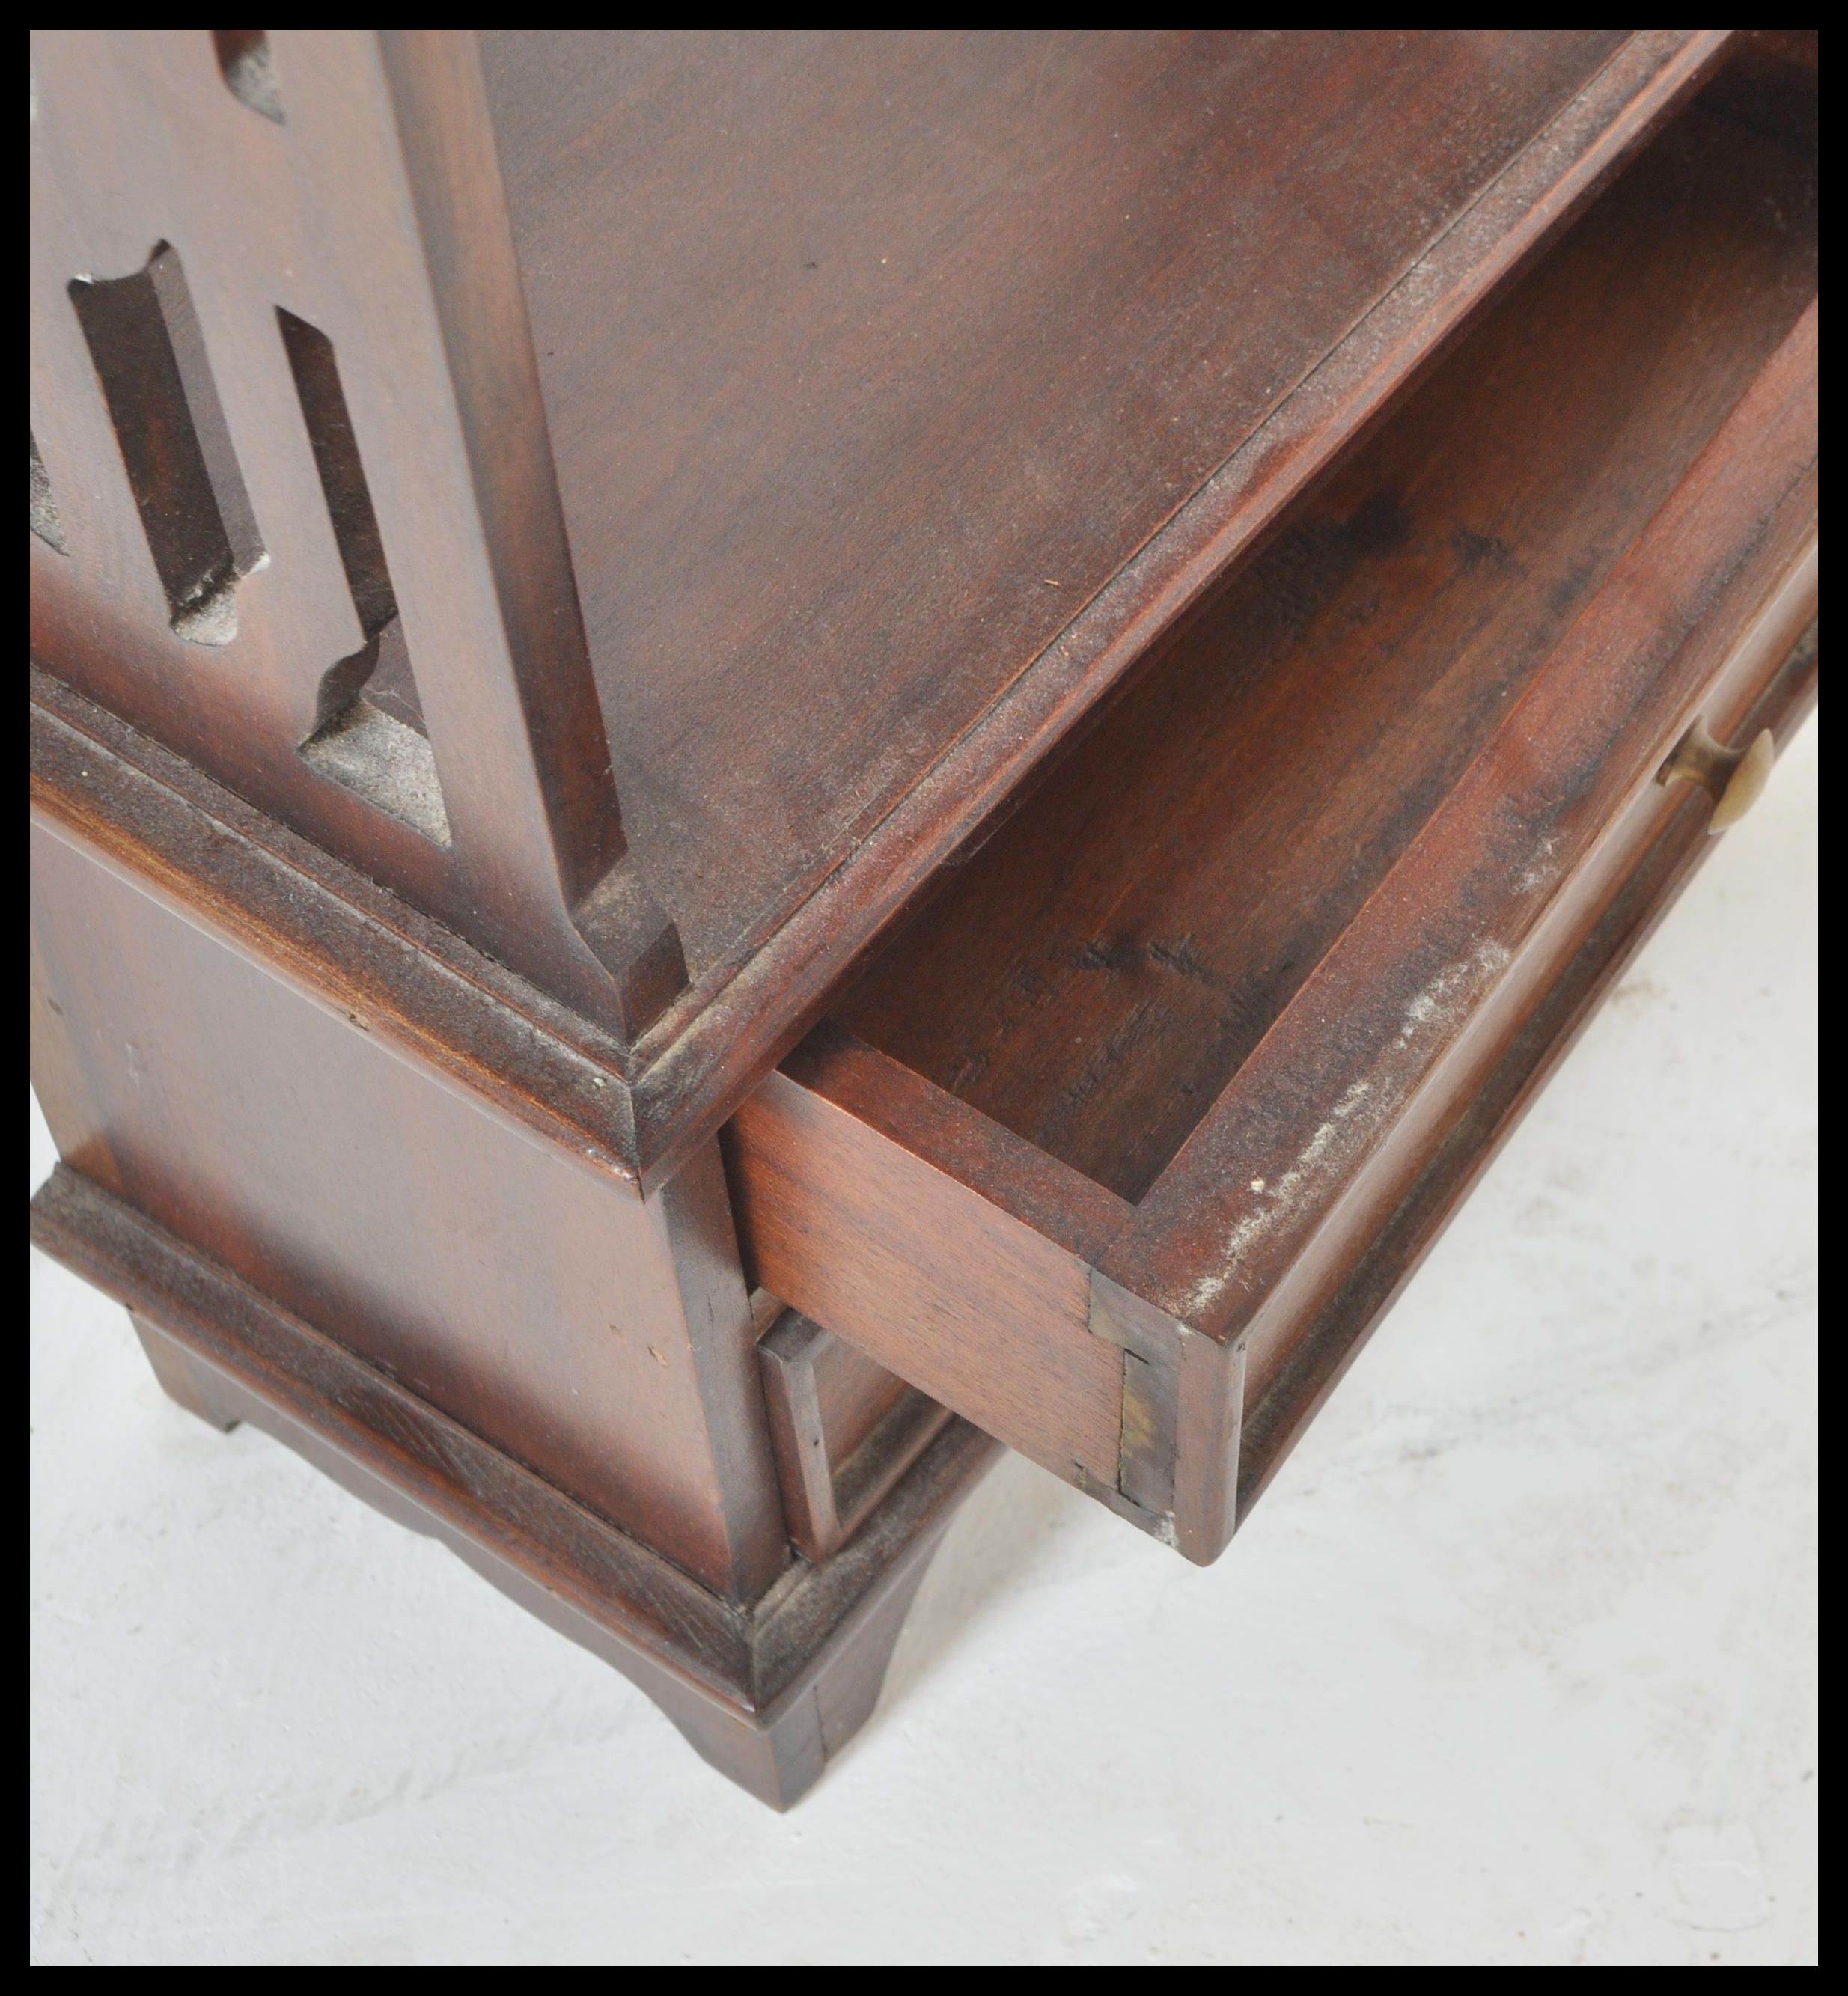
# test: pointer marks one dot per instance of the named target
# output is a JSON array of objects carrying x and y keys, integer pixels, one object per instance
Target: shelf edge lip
[
  {"x": 1648, "y": 654},
  {"x": 732, "y": 1025},
  {"x": 1316, "y": 1365}
]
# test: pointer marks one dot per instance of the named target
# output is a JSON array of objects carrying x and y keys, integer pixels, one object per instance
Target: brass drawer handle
[{"x": 1734, "y": 778}]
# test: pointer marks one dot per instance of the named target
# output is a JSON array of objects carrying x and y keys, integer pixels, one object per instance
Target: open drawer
[{"x": 1127, "y": 1140}]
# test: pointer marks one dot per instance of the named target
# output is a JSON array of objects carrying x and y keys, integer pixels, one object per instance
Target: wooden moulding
[
  {"x": 1160, "y": 1345},
  {"x": 372, "y": 208},
  {"x": 325, "y": 928},
  {"x": 766, "y": 1692}
]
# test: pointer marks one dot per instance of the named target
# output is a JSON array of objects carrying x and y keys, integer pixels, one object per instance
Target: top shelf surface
[{"x": 869, "y": 359}]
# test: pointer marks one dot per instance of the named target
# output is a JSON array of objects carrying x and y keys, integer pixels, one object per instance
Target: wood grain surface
[
  {"x": 1094, "y": 978},
  {"x": 870, "y": 357}
]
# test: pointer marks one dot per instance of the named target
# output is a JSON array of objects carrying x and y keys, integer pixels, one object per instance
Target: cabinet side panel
[{"x": 528, "y": 1295}]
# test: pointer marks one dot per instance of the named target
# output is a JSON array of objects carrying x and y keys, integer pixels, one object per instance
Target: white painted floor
[{"x": 1513, "y": 1665}]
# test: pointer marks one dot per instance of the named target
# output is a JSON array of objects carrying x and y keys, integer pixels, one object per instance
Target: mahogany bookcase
[{"x": 760, "y": 758}]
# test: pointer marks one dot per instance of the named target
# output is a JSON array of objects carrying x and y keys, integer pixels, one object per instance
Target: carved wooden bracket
[{"x": 293, "y": 506}]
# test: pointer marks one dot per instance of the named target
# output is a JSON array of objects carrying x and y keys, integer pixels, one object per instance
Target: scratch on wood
[
  {"x": 1440, "y": 999},
  {"x": 1277, "y": 1200},
  {"x": 1448, "y": 995},
  {"x": 1542, "y": 871}
]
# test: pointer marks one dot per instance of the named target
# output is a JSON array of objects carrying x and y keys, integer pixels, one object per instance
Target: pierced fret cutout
[
  {"x": 144, "y": 338},
  {"x": 250, "y": 74},
  {"x": 369, "y": 732},
  {"x": 43, "y": 510}
]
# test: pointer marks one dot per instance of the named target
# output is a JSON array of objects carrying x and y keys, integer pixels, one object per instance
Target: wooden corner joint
[
  {"x": 1177, "y": 1464},
  {"x": 634, "y": 940}
]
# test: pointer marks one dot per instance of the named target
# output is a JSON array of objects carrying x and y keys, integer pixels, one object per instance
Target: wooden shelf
[{"x": 1096, "y": 976}]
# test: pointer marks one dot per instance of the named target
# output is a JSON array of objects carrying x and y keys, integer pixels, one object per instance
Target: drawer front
[{"x": 1160, "y": 1341}]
